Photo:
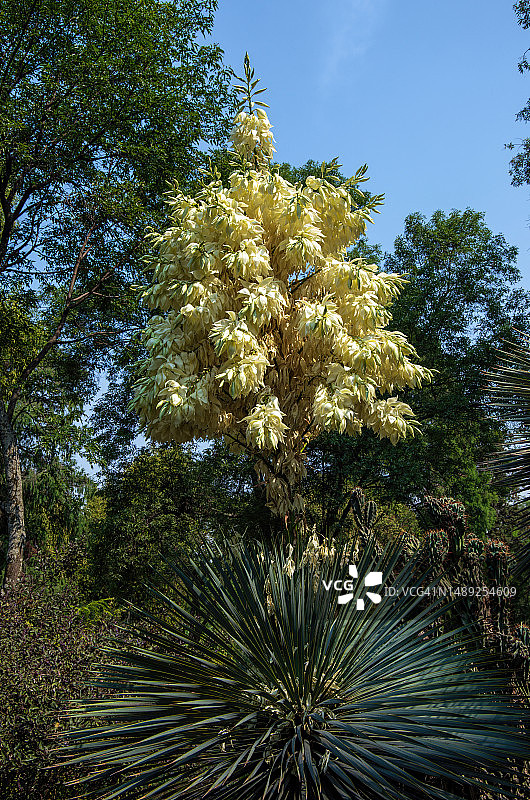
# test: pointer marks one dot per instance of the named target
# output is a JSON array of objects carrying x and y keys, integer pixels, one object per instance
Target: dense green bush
[
  {"x": 47, "y": 643},
  {"x": 165, "y": 501},
  {"x": 149, "y": 506}
]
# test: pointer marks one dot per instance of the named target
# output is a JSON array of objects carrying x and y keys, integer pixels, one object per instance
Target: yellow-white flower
[
  {"x": 252, "y": 132},
  {"x": 388, "y": 418},
  {"x": 262, "y": 301},
  {"x": 319, "y": 318},
  {"x": 244, "y": 375},
  {"x": 265, "y": 429},
  {"x": 232, "y": 337},
  {"x": 335, "y": 410},
  {"x": 249, "y": 260}
]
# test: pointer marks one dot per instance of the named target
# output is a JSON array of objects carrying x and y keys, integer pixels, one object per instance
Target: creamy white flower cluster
[
  {"x": 252, "y": 135},
  {"x": 264, "y": 330},
  {"x": 314, "y": 554},
  {"x": 265, "y": 428}
]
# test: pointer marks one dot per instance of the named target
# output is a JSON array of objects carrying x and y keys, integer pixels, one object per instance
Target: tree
[
  {"x": 520, "y": 164},
  {"x": 165, "y": 501},
  {"x": 460, "y": 302},
  {"x": 267, "y": 333},
  {"x": 100, "y": 103}
]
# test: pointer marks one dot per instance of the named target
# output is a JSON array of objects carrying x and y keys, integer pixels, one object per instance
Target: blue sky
[{"x": 424, "y": 92}]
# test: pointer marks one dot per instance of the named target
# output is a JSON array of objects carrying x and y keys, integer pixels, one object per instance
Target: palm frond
[{"x": 508, "y": 392}]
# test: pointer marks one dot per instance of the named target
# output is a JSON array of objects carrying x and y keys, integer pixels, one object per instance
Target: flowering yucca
[{"x": 267, "y": 332}]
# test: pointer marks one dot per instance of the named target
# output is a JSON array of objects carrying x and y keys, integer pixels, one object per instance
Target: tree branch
[{"x": 54, "y": 338}]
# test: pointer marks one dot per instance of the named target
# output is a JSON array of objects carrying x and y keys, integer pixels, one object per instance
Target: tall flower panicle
[
  {"x": 266, "y": 331},
  {"x": 252, "y": 135}
]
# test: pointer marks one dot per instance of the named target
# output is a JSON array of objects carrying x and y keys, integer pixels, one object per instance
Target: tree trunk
[{"x": 14, "y": 505}]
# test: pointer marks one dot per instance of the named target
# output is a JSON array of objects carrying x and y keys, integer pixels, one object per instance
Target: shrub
[
  {"x": 47, "y": 649},
  {"x": 272, "y": 689}
]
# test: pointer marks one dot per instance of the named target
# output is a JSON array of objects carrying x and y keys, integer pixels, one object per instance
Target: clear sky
[{"x": 425, "y": 92}]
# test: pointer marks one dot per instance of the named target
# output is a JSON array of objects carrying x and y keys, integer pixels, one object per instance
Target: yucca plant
[
  {"x": 263, "y": 679},
  {"x": 508, "y": 393}
]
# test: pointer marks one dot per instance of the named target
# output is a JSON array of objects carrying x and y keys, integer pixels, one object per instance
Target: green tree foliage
[
  {"x": 100, "y": 105},
  {"x": 165, "y": 500},
  {"x": 520, "y": 163},
  {"x": 461, "y": 300},
  {"x": 51, "y": 430},
  {"x": 57, "y": 499},
  {"x": 150, "y": 506}
]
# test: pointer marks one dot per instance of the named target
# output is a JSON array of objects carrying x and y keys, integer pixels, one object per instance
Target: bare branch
[{"x": 296, "y": 285}]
